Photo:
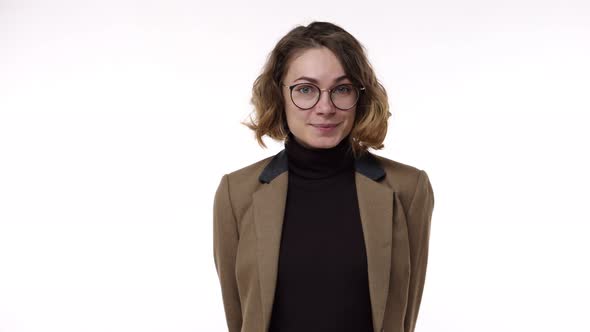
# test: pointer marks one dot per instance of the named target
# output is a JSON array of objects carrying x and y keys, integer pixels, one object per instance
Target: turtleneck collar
[{"x": 318, "y": 163}]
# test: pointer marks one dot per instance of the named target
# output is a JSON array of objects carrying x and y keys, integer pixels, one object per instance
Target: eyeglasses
[{"x": 307, "y": 95}]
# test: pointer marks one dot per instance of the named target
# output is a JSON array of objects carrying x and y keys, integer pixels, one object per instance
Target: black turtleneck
[{"x": 322, "y": 281}]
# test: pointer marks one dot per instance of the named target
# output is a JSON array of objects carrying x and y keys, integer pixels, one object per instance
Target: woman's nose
[{"x": 325, "y": 103}]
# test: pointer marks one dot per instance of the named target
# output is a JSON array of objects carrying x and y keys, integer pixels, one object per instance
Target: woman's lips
[
  {"x": 329, "y": 125},
  {"x": 325, "y": 127}
]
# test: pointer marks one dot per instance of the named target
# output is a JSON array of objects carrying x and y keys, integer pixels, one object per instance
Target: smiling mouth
[{"x": 332, "y": 125}]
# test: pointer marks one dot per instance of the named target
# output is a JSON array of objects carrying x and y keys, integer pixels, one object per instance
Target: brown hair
[{"x": 370, "y": 125}]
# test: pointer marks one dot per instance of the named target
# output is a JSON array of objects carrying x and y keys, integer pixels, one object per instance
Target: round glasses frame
[{"x": 358, "y": 95}]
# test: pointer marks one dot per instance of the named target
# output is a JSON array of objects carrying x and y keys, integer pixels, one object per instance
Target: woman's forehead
[{"x": 316, "y": 66}]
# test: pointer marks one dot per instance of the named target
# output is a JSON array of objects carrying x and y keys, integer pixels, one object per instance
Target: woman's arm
[
  {"x": 418, "y": 218},
  {"x": 225, "y": 245}
]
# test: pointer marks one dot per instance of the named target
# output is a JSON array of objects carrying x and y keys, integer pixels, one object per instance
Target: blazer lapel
[
  {"x": 376, "y": 204},
  {"x": 269, "y": 208},
  {"x": 376, "y": 210}
]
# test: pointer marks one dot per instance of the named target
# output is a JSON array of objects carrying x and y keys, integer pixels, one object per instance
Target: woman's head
[{"x": 326, "y": 56}]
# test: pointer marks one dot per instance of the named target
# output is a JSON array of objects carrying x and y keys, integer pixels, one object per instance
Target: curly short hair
[{"x": 268, "y": 118}]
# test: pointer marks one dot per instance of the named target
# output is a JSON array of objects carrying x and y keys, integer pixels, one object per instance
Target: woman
[{"x": 323, "y": 236}]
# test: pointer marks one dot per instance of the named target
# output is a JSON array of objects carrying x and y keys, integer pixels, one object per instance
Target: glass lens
[
  {"x": 345, "y": 96},
  {"x": 305, "y": 95}
]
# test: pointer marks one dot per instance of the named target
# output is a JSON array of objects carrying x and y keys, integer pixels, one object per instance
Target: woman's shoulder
[
  {"x": 397, "y": 174},
  {"x": 391, "y": 166},
  {"x": 246, "y": 179},
  {"x": 402, "y": 177},
  {"x": 251, "y": 170}
]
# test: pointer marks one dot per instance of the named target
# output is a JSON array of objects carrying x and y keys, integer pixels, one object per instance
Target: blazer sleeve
[
  {"x": 225, "y": 244},
  {"x": 418, "y": 219}
]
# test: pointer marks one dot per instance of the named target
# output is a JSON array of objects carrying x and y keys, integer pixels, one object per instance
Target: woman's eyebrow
[{"x": 313, "y": 80}]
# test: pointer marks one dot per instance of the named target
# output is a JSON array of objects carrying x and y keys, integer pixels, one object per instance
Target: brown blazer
[{"x": 395, "y": 202}]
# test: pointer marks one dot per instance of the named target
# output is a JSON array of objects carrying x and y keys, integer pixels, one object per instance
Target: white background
[{"x": 118, "y": 119}]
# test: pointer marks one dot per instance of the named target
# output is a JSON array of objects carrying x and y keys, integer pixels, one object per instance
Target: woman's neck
[{"x": 317, "y": 162}]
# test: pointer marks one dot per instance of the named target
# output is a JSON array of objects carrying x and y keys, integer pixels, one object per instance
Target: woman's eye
[
  {"x": 343, "y": 89},
  {"x": 304, "y": 89}
]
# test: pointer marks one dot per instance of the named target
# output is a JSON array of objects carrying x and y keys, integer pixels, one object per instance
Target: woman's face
[{"x": 322, "y": 126}]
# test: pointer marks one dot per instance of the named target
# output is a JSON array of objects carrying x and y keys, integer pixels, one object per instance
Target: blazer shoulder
[
  {"x": 247, "y": 176},
  {"x": 253, "y": 169},
  {"x": 393, "y": 166},
  {"x": 243, "y": 182},
  {"x": 401, "y": 177}
]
